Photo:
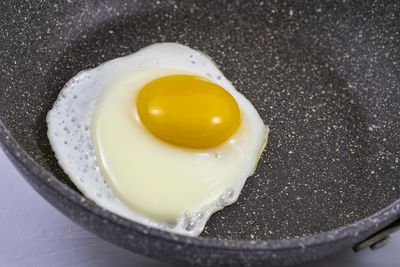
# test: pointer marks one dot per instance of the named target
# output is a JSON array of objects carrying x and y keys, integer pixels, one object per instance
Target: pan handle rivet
[
  {"x": 380, "y": 243},
  {"x": 378, "y": 239}
]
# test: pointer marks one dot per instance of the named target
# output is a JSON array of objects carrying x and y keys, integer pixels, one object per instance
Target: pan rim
[{"x": 355, "y": 231}]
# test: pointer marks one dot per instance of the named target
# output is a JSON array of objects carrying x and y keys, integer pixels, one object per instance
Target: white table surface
[{"x": 34, "y": 234}]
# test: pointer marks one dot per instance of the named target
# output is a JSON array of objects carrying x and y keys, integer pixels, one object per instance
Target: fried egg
[{"x": 159, "y": 137}]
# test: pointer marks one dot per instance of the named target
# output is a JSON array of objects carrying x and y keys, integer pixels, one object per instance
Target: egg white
[{"x": 70, "y": 122}]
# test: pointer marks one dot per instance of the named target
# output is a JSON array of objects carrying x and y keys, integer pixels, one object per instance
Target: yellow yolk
[{"x": 188, "y": 111}]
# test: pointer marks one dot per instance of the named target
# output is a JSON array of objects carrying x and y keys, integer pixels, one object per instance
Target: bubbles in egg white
[{"x": 69, "y": 129}]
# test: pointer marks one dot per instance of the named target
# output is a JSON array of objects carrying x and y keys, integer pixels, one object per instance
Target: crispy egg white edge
[{"x": 75, "y": 93}]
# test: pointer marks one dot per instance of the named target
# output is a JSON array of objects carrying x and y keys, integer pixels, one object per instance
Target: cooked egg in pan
[{"x": 160, "y": 137}]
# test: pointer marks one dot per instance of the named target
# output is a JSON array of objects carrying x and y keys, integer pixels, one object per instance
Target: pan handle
[{"x": 378, "y": 239}]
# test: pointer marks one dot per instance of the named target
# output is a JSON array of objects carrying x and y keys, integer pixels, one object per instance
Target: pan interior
[{"x": 324, "y": 77}]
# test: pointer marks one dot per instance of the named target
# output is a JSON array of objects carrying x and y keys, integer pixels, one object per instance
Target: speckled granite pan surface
[{"x": 325, "y": 77}]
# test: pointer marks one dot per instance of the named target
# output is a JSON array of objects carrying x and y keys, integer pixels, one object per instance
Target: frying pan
[{"x": 324, "y": 75}]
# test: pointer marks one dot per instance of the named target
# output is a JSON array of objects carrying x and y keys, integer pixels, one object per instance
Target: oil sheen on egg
[{"x": 139, "y": 146}]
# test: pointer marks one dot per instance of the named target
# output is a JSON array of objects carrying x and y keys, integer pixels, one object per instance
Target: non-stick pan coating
[{"x": 325, "y": 77}]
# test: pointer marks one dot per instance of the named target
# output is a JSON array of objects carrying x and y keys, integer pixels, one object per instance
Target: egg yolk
[{"x": 188, "y": 111}]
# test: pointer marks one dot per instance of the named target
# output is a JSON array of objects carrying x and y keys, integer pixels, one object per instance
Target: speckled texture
[{"x": 324, "y": 76}]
